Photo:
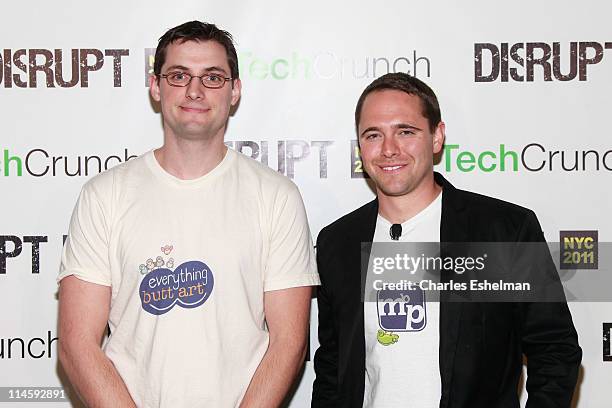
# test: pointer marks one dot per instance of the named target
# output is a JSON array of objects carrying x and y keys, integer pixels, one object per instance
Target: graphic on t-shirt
[
  {"x": 151, "y": 265},
  {"x": 189, "y": 285},
  {"x": 386, "y": 338},
  {"x": 401, "y": 310}
]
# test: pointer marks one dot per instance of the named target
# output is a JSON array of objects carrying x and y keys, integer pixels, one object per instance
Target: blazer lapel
[
  {"x": 454, "y": 227},
  {"x": 364, "y": 237}
]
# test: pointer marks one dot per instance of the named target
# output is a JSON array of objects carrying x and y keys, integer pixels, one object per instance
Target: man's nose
[
  {"x": 196, "y": 90},
  {"x": 390, "y": 146}
]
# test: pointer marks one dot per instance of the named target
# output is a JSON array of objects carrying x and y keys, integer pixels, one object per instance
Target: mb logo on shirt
[{"x": 401, "y": 310}]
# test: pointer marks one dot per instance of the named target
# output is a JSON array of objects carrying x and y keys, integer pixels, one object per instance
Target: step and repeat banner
[{"x": 524, "y": 89}]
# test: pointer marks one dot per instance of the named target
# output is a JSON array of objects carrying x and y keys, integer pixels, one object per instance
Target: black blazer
[{"x": 481, "y": 344}]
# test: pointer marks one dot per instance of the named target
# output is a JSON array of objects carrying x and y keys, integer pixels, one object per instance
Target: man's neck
[
  {"x": 190, "y": 159},
  {"x": 399, "y": 209}
]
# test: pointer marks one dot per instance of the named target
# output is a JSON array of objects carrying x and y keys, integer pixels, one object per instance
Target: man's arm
[
  {"x": 287, "y": 315},
  {"x": 83, "y": 315},
  {"x": 549, "y": 339},
  {"x": 550, "y": 344}
]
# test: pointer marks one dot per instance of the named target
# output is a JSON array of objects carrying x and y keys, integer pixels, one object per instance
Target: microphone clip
[{"x": 395, "y": 232}]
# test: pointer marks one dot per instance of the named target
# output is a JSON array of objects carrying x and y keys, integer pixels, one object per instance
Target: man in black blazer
[{"x": 481, "y": 344}]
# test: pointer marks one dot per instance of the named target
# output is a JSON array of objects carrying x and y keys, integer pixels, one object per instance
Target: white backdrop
[{"x": 303, "y": 66}]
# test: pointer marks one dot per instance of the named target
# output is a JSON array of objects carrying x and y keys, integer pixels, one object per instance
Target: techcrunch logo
[
  {"x": 323, "y": 65},
  {"x": 533, "y": 157},
  {"x": 26, "y": 348},
  {"x": 329, "y": 65},
  {"x": 40, "y": 163}
]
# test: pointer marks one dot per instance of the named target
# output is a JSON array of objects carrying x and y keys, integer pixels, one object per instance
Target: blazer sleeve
[
  {"x": 548, "y": 339},
  {"x": 325, "y": 387}
]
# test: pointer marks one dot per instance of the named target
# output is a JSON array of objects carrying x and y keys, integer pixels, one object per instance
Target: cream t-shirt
[{"x": 188, "y": 262}]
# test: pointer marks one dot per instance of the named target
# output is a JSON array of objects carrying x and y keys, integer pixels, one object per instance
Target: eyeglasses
[{"x": 213, "y": 81}]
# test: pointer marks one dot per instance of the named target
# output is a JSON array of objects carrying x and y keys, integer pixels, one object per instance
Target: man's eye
[
  {"x": 407, "y": 132},
  {"x": 215, "y": 78},
  {"x": 178, "y": 76}
]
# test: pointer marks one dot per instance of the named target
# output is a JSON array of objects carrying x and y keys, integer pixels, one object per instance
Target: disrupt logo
[
  {"x": 39, "y": 163},
  {"x": 518, "y": 62},
  {"x": 24, "y": 67},
  {"x": 17, "y": 247},
  {"x": 12, "y": 246},
  {"x": 288, "y": 152},
  {"x": 533, "y": 157},
  {"x": 324, "y": 65}
]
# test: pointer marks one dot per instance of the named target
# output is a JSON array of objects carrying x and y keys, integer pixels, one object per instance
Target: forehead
[
  {"x": 196, "y": 55},
  {"x": 391, "y": 104}
]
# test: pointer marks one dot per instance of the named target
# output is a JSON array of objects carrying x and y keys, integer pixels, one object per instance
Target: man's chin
[
  {"x": 394, "y": 191},
  {"x": 195, "y": 132}
]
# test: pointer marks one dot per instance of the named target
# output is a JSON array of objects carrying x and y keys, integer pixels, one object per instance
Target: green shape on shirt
[{"x": 387, "y": 338}]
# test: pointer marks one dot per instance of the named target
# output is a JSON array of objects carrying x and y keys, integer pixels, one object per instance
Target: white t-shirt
[
  {"x": 188, "y": 262},
  {"x": 402, "y": 367}
]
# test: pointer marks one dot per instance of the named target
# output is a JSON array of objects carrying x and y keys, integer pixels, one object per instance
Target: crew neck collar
[
  {"x": 436, "y": 203},
  {"x": 168, "y": 178}
]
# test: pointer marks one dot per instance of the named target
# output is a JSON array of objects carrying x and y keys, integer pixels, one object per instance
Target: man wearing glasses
[{"x": 198, "y": 258}]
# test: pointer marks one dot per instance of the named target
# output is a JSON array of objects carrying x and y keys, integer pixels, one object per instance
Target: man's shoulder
[
  {"x": 261, "y": 174},
  {"x": 479, "y": 205},
  {"x": 103, "y": 183},
  {"x": 491, "y": 206},
  {"x": 346, "y": 224},
  {"x": 492, "y": 219}
]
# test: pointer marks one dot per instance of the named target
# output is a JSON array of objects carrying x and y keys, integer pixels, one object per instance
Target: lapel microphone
[{"x": 395, "y": 231}]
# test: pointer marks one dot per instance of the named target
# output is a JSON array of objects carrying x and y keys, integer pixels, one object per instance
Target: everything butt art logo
[{"x": 188, "y": 285}]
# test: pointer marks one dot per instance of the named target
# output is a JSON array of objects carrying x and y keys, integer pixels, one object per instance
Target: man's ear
[
  {"x": 236, "y": 90},
  {"x": 154, "y": 87},
  {"x": 438, "y": 137}
]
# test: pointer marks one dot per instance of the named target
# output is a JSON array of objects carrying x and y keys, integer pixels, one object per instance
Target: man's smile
[
  {"x": 390, "y": 168},
  {"x": 194, "y": 109}
]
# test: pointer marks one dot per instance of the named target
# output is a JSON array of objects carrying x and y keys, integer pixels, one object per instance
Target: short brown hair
[
  {"x": 403, "y": 82},
  {"x": 197, "y": 31}
]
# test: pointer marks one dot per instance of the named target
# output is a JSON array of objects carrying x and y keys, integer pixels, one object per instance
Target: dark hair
[
  {"x": 412, "y": 86},
  {"x": 197, "y": 31}
]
